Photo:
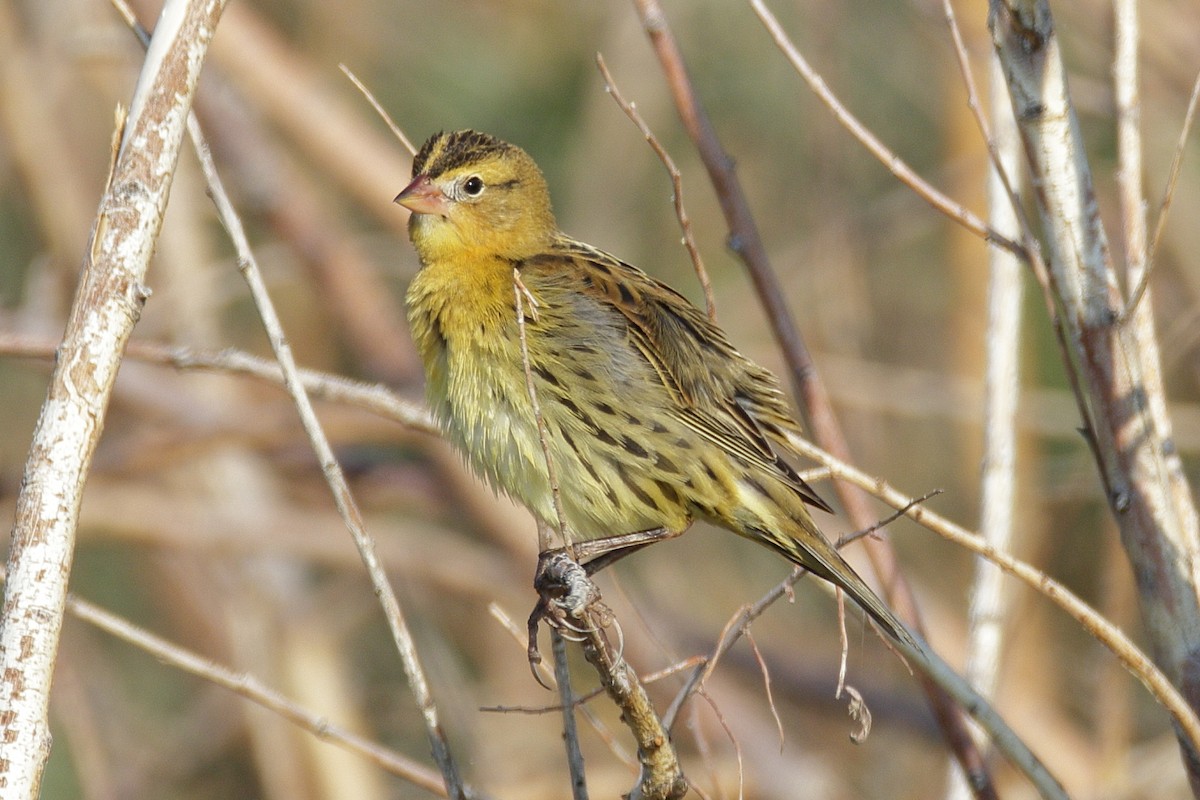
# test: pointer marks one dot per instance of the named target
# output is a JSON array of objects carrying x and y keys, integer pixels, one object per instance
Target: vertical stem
[
  {"x": 566, "y": 696},
  {"x": 1001, "y": 389}
]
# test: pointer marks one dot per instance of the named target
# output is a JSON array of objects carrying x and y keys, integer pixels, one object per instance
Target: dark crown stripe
[{"x": 444, "y": 152}]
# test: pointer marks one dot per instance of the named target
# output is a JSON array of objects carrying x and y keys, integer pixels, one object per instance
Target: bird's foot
[{"x": 566, "y": 595}]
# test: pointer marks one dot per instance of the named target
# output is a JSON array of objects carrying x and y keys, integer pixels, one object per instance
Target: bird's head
[{"x": 474, "y": 195}]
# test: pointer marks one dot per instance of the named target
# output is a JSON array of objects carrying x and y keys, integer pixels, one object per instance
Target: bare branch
[
  {"x": 1119, "y": 366},
  {"x": 106, "y": 308}
]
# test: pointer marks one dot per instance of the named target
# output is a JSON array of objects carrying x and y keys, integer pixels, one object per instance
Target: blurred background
[{"x": 206, "y": 519}]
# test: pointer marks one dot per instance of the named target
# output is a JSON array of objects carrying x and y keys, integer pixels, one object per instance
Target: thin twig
[
  {"x": 561, "y": 669},
  {"x": 734, "y": 629},
  {"x": 888, "y": 520},
  {"x": 685, "y": 224},
  {"x": 253, "y": 689},
  {"x": 737, "y": 626},
  {"x": 1003, "y": 171},
  {"x": 521, "y": 294},
  {"x": 896, "y": 165},
  {"x": 562, "y": 674},
  {"x": 766, "y": 678},
  {"x": 935, "y": 669},
  {"x": 334, "y": 476},
  {"x": 375, "y": 104},
  {"x": 1131, "y": 657},
  {"x": 1168, "y": 195},
  {"x": 600, "y": 728}
]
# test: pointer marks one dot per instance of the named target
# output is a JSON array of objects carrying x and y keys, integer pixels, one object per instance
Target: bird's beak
[{"x": 423, "y": 196}]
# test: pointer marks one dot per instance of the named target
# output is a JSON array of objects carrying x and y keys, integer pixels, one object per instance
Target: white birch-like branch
[
  {"x": 1002, "y": 384},
  {"x": 1117, "y": 364},
  {"x": 106, "y": 307}
]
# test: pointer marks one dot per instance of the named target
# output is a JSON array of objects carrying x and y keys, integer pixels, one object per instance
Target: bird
[{"x": 650, "y": 417}]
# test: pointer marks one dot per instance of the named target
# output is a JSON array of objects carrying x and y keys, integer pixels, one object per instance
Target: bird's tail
[{"x": 798, "y": 539}]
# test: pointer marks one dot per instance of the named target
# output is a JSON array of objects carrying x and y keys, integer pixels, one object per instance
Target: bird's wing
[{"x": 714, "y": 389}]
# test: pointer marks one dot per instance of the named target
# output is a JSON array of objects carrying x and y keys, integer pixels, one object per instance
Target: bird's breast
[{"x": 615, "y": 447}]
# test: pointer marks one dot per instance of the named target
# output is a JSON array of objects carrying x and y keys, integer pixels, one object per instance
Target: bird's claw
[{"x": 565, "y": 593}]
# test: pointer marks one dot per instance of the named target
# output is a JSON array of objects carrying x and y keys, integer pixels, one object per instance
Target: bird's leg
[
  {"x": 564, "y": 585},
  {"x": 598, "y": 554}
]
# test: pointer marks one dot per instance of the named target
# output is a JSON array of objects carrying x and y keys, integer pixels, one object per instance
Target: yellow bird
[{"x": 653, "y": 419}]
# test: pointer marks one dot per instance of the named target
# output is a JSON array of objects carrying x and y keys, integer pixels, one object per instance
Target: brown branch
[
  {"x": 661, "y": 777},
  {"x": 746, "y": 242}
]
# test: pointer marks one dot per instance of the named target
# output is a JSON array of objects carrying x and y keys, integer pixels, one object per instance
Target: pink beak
[{"x": 422, "y": 196}]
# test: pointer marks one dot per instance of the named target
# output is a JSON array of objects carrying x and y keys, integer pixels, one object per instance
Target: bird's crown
[{"x": 444, "y": 151}]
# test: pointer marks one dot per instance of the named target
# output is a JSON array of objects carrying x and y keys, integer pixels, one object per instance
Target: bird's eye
[{"x": 473, "y": 186}]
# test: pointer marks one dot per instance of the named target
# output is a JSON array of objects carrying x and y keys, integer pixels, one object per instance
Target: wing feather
[{"x": 716, "y": 391}]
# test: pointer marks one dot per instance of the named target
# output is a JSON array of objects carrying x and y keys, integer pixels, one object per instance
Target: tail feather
[
  {"x": 797, "y": 538},
  {"x": 819, "y": 557}
]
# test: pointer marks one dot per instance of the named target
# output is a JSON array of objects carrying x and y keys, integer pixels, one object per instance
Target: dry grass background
[{"x": 205, "y": 518}]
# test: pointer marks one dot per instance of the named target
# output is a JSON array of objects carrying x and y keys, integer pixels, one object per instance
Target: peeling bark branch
[
  {"x": 107, "y": 305},
  {"x": 1117, "y": 362}
]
